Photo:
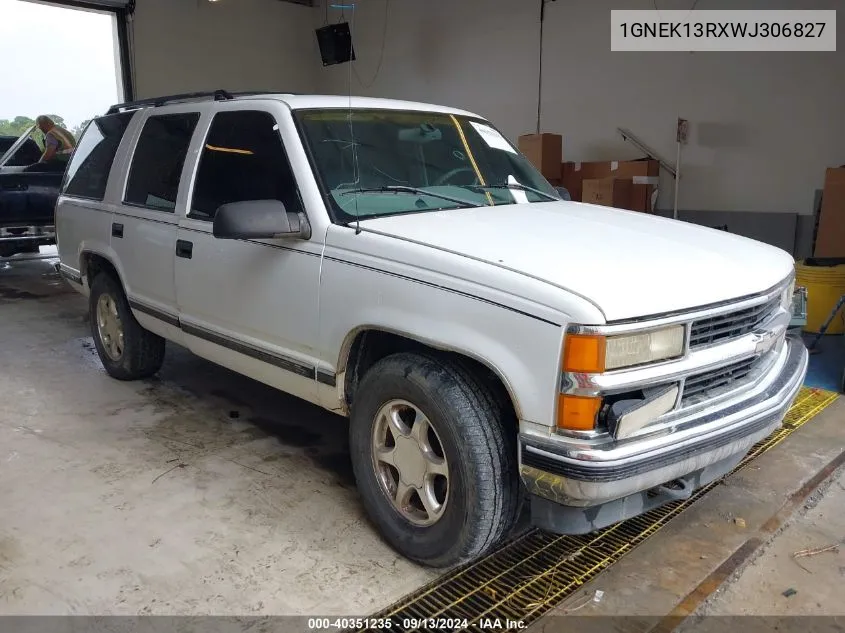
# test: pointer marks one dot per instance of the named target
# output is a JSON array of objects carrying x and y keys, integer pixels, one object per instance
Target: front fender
[{"x": 524, "y": 351}]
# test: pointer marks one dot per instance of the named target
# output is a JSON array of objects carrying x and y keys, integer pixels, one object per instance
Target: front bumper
[{"x": 568, "y": 482}]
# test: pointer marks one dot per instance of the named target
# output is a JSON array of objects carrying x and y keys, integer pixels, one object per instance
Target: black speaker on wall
[{"x": 335, "y": 42}]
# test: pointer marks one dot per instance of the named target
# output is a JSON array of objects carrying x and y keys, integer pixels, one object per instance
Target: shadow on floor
[
  {"x": 827, "y": 365},
  {"x": 294, "y": 423}
]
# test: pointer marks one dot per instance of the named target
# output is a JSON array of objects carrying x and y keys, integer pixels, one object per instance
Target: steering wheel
[{"x": 445, "y": 178}]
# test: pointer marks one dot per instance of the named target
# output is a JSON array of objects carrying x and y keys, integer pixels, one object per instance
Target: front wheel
[{"x": 434, "y": 459}]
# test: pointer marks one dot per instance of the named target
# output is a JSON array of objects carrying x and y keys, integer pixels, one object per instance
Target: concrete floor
[
  {"x": 703, "y": 561},
  {"x": 814, "y": 584},
  {"x": 818, "y": 581},
  {"x": 199, "y": 492}
]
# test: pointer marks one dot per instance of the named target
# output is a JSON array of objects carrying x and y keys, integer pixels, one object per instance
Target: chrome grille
[
  {"x": 707, "y": 383},
  {"x": 724, "y": 327}
]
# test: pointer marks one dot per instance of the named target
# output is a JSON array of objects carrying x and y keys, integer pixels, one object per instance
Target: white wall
[
  {"x": 191, "y": 45},
  {"x": 763, "y": 125}
]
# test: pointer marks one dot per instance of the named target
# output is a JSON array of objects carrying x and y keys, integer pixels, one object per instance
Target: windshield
[{"x": 374, "y": 163}]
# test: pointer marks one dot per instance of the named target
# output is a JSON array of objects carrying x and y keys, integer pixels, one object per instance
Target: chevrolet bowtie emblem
[{"x": 764, "y": 340}]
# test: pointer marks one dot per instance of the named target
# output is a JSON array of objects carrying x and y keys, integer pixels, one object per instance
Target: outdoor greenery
[{"x": 18, "y": 125}]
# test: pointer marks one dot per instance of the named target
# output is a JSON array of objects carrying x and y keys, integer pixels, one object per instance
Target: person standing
[{"x": 58, "y": 144}]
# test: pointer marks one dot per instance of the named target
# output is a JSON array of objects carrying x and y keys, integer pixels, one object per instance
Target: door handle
[
  {"x": 116, "y": 230},
  {"x": 184, "y": 249}
]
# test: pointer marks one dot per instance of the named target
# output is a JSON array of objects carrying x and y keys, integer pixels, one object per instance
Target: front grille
[
  {"x": 724, "y": 327},
  {"x": 708, "y": 383}
]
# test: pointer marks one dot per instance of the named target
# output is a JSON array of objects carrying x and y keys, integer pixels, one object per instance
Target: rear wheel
[
  {"x": 127, "y": 350},
  {"x": 434, "y": 459}
]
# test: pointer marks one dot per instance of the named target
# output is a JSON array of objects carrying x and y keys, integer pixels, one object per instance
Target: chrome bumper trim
[
  {"x": 27, "y": 233},
  {"x": 589, "y": 473}
]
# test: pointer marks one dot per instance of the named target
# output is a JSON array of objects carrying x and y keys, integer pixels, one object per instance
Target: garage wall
[
  {"x": 191, "y": 45},
  {"x": 763, "y": 125}
]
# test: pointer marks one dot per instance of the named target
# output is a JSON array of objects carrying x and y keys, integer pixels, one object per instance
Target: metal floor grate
[{"x": 533, "y": 573}]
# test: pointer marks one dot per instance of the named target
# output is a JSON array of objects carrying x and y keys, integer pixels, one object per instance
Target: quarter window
[
  {"x": 88, "y": 171},
  {"x": 158, "y": 160},
  {"x": 243, "y": 159}
]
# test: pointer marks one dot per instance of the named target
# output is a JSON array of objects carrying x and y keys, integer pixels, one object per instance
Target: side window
[
  {"x": 88, "y": 171},
  {"x": 243, "y": 159},
  {"x": 158, "y": 160}
]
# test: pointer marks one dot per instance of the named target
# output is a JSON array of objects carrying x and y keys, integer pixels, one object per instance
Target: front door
[{"x": 249, "y": 305}]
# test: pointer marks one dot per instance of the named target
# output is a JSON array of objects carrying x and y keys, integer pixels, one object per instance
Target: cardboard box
[
  {"x": 830, "y": 237},
  {"x": 644, "y": 175},
  {"x": 609, "y": 192},
  {"x": 571, "y": 180},
  {"x": 545, "y": 151}
]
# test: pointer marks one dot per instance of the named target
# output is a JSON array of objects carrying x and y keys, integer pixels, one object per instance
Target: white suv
[{"x": 403, "y": 265}]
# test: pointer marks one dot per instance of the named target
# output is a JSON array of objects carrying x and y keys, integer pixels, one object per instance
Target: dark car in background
[
  {"x": 27, "y": 154},
  {"x": 27, "y": 198}
]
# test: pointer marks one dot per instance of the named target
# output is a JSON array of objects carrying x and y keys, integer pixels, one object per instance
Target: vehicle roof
[{"x": 304, "y": 102}]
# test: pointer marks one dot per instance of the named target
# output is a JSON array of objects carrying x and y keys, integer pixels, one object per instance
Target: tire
[
  {"x": 478, "y": 443},
  {"x": 141, "y": 353}
]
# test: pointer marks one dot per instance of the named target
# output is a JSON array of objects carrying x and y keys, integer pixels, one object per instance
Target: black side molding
[
  {"x": 70, "y": 276},
  {"x": 282, "y": 362},
  {"x": 170, "y": 319},
  {"x": 326, "y": 378}
]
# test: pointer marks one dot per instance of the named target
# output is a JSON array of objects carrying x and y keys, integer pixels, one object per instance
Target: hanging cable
[
  {"x": 540, "y": 67},
  {"x": 369, "y": 85},
  {"x": 540, "y": 64},
  {"x": 356, "y": 173},
  {"x": 691, "y": 9}
]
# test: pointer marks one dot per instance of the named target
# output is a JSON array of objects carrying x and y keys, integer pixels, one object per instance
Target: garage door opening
[{"x": 69, "y": 60}]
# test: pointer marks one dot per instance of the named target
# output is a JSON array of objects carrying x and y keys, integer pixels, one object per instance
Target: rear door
[
  {"x": 143, "y": 230},
  {"x": 84, "y": 209}
]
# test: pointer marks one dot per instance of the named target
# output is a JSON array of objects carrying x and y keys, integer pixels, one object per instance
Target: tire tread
[
  {"x": 485, "y": 427},
  {"x": 143, "y": 351}
]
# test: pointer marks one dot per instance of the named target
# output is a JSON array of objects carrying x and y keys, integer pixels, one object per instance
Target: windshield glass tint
[{"x": 438, "y": 154}]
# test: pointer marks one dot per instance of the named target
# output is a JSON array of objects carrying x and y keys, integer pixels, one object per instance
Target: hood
[{"x": 629, "y": 264}]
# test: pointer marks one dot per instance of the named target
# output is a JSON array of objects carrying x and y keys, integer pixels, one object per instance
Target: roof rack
[{"x": 155, "y": 102}]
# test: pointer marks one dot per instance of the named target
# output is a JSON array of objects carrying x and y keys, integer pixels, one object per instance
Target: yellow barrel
[{"x": 825, "y": 285}]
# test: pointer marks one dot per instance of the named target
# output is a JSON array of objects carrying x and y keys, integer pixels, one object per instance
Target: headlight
[
  {"x": 596, "y": 354},
  {"x": 648, "y": 347},
  {"x": 787, "y": 296}
]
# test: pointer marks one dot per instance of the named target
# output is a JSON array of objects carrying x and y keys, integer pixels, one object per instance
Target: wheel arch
[
  {"x": 367, "y": 344},
  {"x": 92, "y": 262}
]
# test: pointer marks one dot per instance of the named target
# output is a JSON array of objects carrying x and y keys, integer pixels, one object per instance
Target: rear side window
[
  {"x": 88, "y": 171},
  {"x": 158, "y": 160}
]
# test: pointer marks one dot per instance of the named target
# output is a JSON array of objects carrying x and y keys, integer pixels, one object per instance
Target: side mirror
[
  {"x": 564, "y": 193},
  {"x": 259, "y": 220}
]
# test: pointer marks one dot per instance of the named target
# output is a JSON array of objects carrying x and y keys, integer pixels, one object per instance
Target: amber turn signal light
[
  {"x": 584, "y": 353},
  {"x": 577, "y": 413}
]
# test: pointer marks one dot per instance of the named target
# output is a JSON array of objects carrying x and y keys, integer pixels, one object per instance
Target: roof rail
[
  {"x": 218, "y": 95},
  {"x": 155, "y": 102}
]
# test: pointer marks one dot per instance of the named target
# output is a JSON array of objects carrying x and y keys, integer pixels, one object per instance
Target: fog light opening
[{"x": 675, "y": 489}]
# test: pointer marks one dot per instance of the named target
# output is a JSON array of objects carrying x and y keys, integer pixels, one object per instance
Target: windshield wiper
[
  {"x": 412, "y": 190},
  {"x": 515, "y": 185}
]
